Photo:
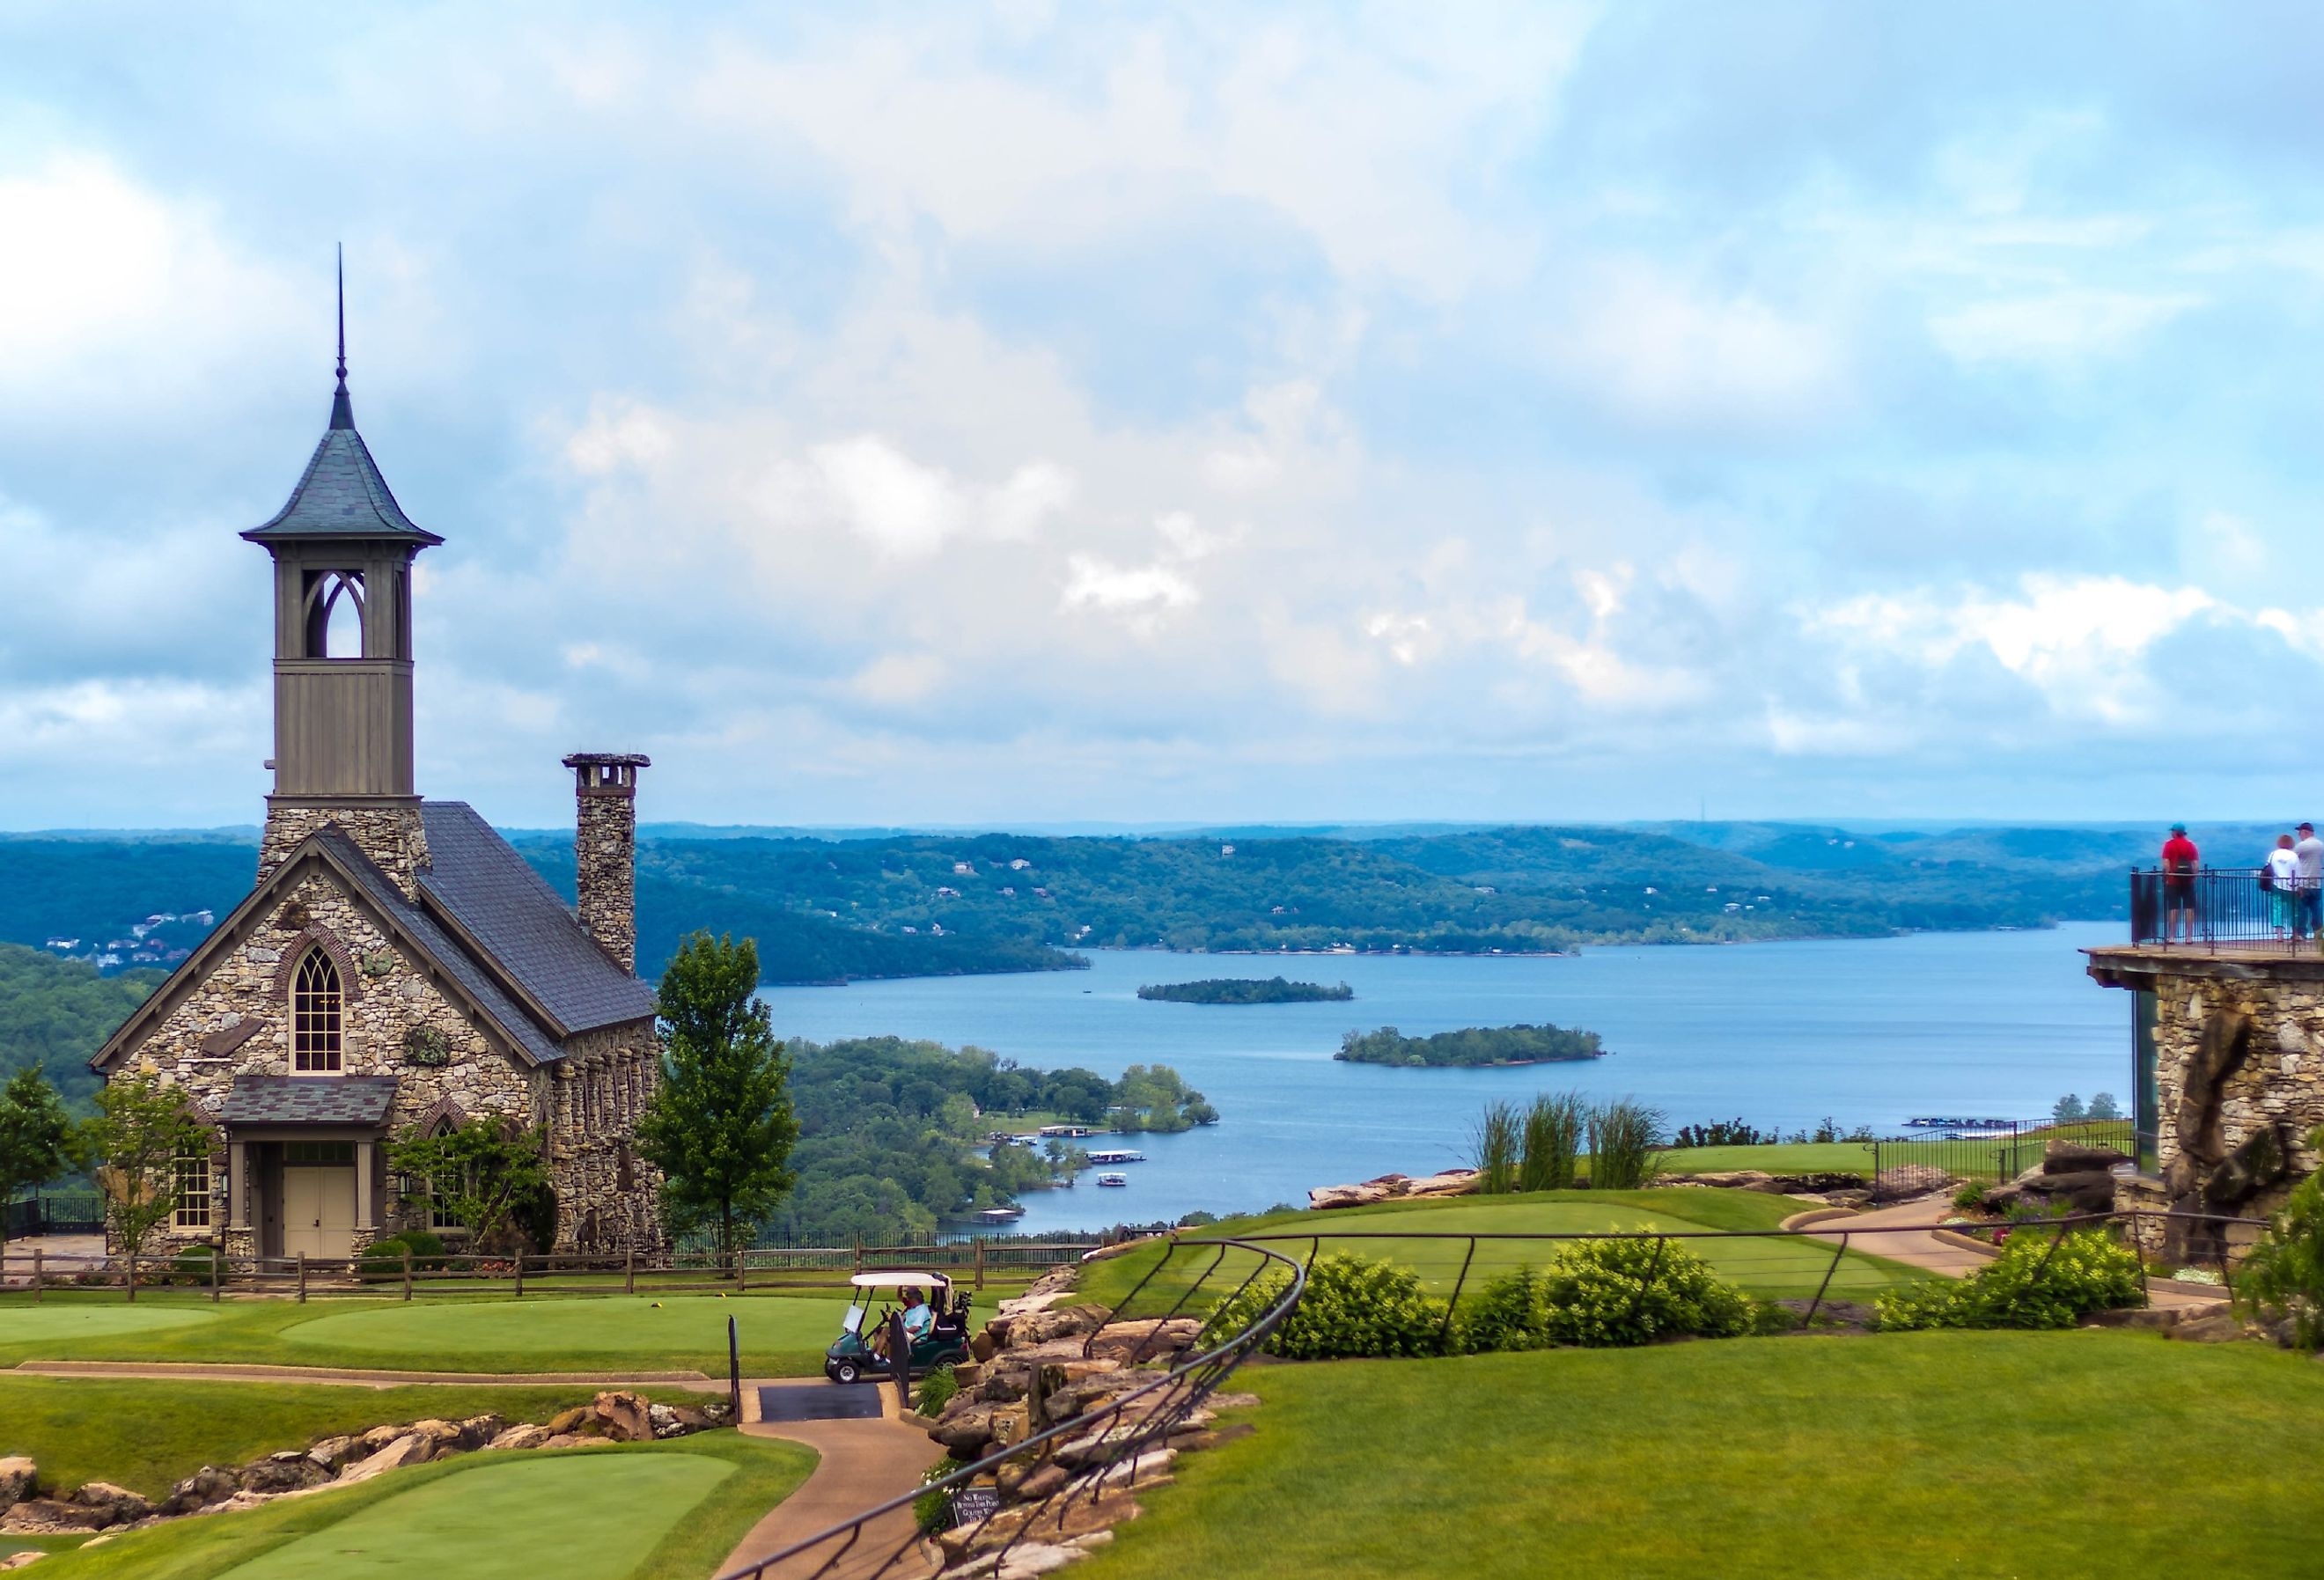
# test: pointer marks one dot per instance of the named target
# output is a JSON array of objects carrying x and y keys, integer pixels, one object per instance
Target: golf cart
[{"x": 855, "y": 1355}]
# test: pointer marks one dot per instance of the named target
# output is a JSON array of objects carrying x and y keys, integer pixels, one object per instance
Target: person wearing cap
[
  {"x": 2310, "y": 852},
  {"x": 2180, "y": 859}
]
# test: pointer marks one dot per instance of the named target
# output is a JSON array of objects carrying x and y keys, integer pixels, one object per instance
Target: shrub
[
  {"x": 935, "y": 1391},
  {"x": 933, "y": 1508},
  {"x": 2284, "y": 1273},
  {"x": 2026, "y": 1286},
  {"x": 383, "y": 1258},
  {"x": 1493, "y": 1147},
  {"x": 1550, "y": 1142},
  {"x": 1508, "y": 1314},
  {"x": 1970, "y": 1197},
  {"x": 1624, "y": 1135},
  {"x": 193, "y": 1265},
  {"x": 1354, "y": 1306},
  {"x": 1601, "y": 1293}
]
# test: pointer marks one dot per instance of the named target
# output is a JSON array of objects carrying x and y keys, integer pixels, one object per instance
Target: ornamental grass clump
[
  {"x": 1354, "y": 1306},
  {"x": 1550, "y": 1141},
  {"x": 2283, "y": 1274},
  {"x": 1625, "y": 1145},
  {"x": 2028, "y": 1285},
  {"x": 1493, "y": 1145}
]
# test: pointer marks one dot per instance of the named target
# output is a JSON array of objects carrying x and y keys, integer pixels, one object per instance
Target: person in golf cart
[{"x": 935, "y": 1329}]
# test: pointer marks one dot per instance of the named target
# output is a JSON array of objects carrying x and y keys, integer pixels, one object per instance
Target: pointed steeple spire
[{"x": 343, "y": 412}]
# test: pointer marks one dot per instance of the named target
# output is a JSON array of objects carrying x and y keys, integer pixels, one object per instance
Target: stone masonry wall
[
  {"x": 605, "y": 1193},
  {"x": 605, "y": 850},
  {"x": 237, "y": 1022},
  {"x": 2280, "y": 1082},
  {"x": 393, "y": 836}
]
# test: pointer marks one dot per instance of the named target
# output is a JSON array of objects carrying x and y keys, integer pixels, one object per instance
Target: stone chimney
[{"x": 605, "y": 848}]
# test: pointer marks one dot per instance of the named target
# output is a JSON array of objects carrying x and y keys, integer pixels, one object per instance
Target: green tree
[
  {"x": 2104, "y": 1106},
  {"x": 141, "y": 1130},
  {"x": 2067, "y": 1109},
  {"x": 490, "y": 1175},
  {"x": 720, "y": 1125},
  {"x": 2284, "y": 1272},
  {"x": 38, "y": 1139}
]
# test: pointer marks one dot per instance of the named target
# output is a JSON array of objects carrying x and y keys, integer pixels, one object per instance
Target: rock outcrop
[
  {"x": 1047, "y": 1362},
  {"x": 346, "y": 1459}
]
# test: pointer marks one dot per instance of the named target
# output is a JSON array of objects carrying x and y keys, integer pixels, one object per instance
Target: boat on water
[
  {"x": 1114, "y": 1179},
  {"x": 993, "y": 1217},
  {"x": 1105, "y": 1158}
]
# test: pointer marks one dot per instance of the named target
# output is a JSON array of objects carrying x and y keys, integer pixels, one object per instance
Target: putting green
[
  {"x": 621, "y": 1325},
  {"x": 30, "y": 1324},
  {"x": 591, "y": 1516}
]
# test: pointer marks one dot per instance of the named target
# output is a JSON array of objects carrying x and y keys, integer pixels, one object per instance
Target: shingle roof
[
  {"x": 310, "y": 1100},
  {"x": 341, "y": 493},
  {"x": 511, "y": 913},
  {"x": 480, "y": 980}
]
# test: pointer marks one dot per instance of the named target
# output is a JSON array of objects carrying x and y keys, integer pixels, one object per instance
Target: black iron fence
[
  {"x": 60, "y": 1212},
  {"x": 1907, "y": 1166},
  {"x": 2242, "y": 908},
  {"x": 1097, "y": 1454}
]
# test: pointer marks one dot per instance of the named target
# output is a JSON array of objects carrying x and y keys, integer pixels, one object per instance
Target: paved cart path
[
  {"x": 862, "y": 1463},
  {"x": 1904, "y": 1234}
]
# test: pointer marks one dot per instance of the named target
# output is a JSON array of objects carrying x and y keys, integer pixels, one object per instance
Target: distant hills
[{"x": 914, "y": 904}]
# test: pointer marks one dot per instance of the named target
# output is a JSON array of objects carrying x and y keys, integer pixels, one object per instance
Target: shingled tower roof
[{"x": 341, "y": 493}]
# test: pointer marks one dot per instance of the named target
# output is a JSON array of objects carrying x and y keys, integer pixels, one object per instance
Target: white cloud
[{"x": 2056, "y": 327}]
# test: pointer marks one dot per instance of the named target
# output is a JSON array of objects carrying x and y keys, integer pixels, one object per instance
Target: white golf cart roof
[{"x": 904, "y": 1278}]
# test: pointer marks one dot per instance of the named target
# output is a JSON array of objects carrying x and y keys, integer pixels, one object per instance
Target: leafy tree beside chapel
[{"x": 720, "y": 1125}]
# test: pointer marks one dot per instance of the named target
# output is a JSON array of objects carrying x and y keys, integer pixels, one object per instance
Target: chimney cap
[{"x": 609, "y": 759}]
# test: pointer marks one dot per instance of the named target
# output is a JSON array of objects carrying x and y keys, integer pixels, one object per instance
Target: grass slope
[
  {"x": 1907, "y": 1454},
  {"x": 1770, "y": 1268},
  {"x": 619, "y": 1513},
  {"x": 148, "y": 1435}
]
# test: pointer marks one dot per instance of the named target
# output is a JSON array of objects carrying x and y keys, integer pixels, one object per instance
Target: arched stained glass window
[{"x": 315, "y": 1016}]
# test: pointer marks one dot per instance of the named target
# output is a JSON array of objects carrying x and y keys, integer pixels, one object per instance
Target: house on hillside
[{"x": 397, "y": 966}]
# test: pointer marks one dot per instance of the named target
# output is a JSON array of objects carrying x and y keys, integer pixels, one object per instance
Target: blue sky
[{"x": 1032, "y": 412}]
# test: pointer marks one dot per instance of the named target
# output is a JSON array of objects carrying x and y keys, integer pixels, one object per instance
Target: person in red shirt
[{"x": 2179, "y": 860}]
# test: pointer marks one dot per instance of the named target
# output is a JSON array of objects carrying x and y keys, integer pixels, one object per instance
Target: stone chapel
[{"x": 397, "y": 964}]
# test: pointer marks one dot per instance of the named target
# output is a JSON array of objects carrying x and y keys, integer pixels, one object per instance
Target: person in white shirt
[
  {"x": 2310, "y": 852},
  {"x": 2284, "y": 884}
]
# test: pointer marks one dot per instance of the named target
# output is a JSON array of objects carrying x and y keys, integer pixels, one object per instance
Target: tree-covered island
[
  {"x": 1246, "y": 990},
  {"x": 1473, "y": 1047}
]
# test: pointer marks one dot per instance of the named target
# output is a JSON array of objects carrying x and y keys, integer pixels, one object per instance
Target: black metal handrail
[
  {"x": 1847, "y": 1234},
  {"x": 2242, "y": 908},
  {"x": 1118, "y": 1434}
]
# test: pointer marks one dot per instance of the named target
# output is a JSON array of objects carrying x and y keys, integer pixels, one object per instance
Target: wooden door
[{"x": 319, "y": 1212}]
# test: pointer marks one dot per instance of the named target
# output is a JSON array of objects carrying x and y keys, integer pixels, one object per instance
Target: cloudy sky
[{"x": 1048, "y": 413}]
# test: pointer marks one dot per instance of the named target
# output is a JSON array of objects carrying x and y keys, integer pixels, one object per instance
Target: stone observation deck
[{"x": 2227, "y": 1046}]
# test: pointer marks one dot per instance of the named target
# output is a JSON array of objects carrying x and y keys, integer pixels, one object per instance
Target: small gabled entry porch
[{"x": 306, "y": 1169}]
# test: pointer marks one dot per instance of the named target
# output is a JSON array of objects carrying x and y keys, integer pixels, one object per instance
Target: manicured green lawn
[
  {"x": 627, "y": 1513},
  {"x": 1781, "y": 1157},
  {"x": 1773, "y": 1269},
  {"x": 147, "y": 1435},
  {"x": 64, "y": 1321},
  {"x": 608, "y": 1330},
  {"x": 781, "y": 1335},
  {"x": 1897, "y": 1456},
  {"x": 1856, "y": 1157}
]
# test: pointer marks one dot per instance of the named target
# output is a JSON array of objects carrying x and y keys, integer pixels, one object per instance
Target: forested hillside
[
  {"x": 920, "y": 905},
  {"x": 57, "y": 1013}
]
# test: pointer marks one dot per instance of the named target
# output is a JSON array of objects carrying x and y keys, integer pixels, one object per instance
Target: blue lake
[{"x": 1867, "y": 1031}]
